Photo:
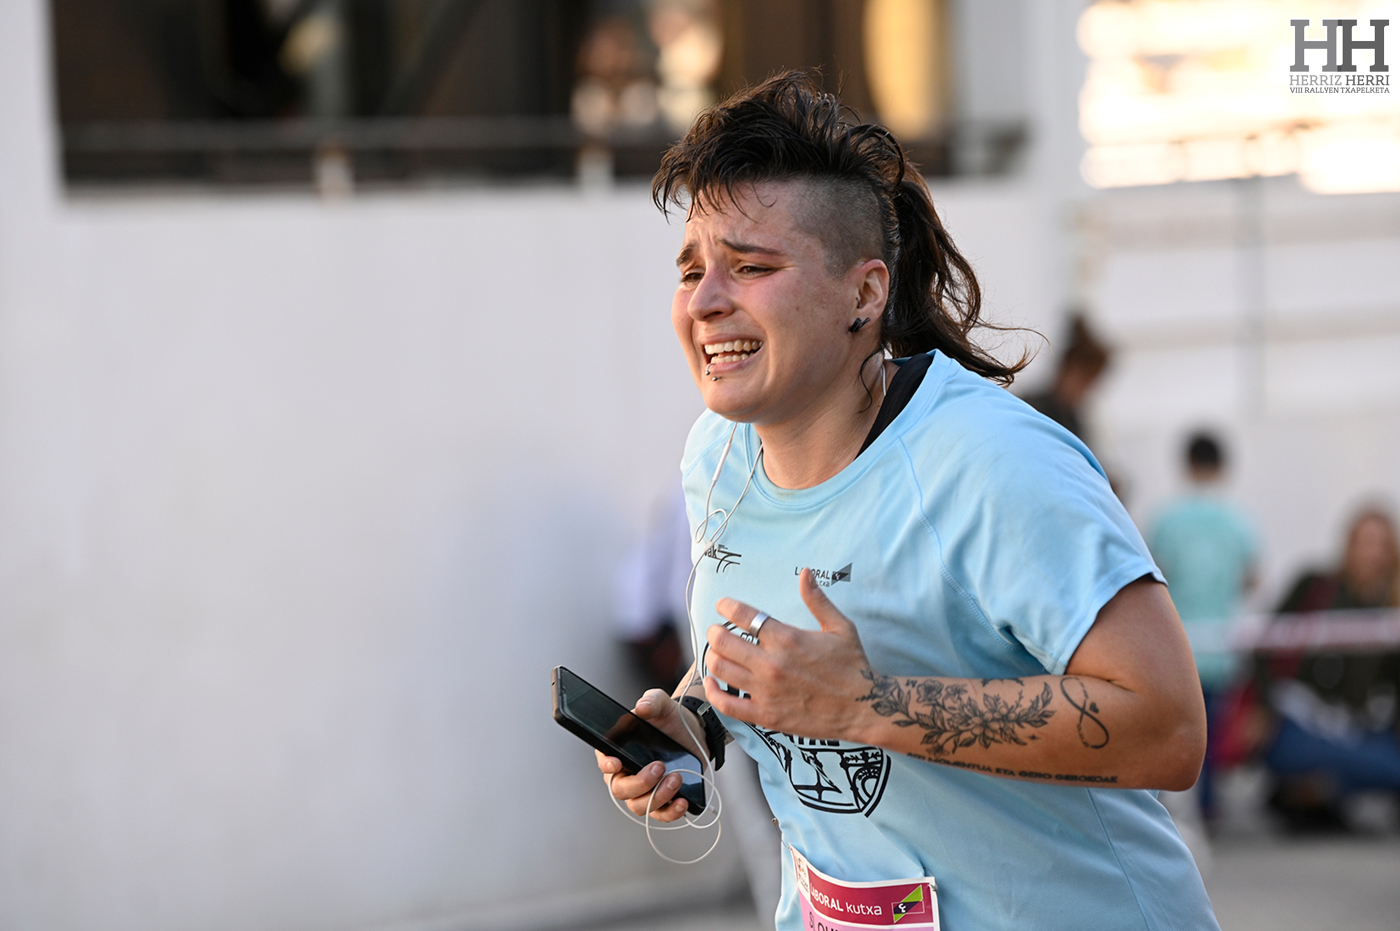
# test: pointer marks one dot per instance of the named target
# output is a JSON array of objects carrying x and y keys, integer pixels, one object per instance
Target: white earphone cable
[{"x": 714, "y": 804}]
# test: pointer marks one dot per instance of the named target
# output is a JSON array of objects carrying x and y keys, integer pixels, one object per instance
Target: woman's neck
[{"x": 805, "y": 451}]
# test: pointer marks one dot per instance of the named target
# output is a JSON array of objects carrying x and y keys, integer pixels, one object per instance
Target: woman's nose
[{"x": 710, "y": 297}]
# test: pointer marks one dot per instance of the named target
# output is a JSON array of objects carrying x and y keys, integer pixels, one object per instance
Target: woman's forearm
[
  {"x": 1127, "y": 712},
  {"x": 1064, "y": 729}
]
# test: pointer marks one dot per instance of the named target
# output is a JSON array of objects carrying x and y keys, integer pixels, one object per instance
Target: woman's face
[
  {"x": 1371, "y": 556},
  {"x": 758, "y": 307}
]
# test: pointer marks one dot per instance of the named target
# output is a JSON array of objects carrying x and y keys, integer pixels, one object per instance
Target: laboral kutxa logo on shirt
[{"x": 826, "y": 577}]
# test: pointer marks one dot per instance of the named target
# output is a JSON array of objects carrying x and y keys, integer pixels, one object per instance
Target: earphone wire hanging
[{"x": 707, "y": 773}]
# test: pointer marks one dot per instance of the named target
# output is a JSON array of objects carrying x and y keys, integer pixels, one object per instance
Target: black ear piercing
[{"x": 860, "y": 322}]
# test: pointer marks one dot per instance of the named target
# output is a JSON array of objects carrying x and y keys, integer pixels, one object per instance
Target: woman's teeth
[{"x": 734, "y": 351}]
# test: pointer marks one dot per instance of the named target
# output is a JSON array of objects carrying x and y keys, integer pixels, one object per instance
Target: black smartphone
[{"x": 606, "y": 725}]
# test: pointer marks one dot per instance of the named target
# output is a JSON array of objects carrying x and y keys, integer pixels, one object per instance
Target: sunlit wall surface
[{"x": 1195, "y": 90}]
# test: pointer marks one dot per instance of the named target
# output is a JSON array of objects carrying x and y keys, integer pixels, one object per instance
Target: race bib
[{"x": 832, "y": 905}]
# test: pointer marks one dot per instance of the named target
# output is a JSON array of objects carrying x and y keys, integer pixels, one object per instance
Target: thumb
[
  {"x": 826, "y": 613},
  {"x": 653, "y": 705}
]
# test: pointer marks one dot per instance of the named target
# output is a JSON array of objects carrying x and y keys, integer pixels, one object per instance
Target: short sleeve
[{"x": 1034, "y": 534}]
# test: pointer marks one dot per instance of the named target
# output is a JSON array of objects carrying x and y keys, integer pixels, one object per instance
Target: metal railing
[{"x": 153, "y": 150}]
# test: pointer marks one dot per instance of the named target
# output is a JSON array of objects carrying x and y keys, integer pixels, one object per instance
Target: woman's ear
[{"x": 872, "y": 280}]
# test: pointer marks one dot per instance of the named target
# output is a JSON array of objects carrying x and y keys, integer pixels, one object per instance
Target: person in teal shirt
[{"x": 1208, "y": 550}]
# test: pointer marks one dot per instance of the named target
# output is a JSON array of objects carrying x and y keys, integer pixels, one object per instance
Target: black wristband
[{"x": 715, "y": 733}]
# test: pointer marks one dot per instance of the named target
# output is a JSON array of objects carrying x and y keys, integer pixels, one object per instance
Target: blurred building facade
[
  {"x": 325, "y": 414},
  {"x": 1210, "y": 258}
]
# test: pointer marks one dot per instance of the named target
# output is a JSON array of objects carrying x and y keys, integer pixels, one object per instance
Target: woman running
[{"x": 918, "y": 605}]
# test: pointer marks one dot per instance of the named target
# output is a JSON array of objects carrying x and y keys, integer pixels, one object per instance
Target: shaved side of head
[{"x": 845, "y": 216}]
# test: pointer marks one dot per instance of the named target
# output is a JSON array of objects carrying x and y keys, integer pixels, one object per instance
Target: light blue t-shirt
[
  {"x": 1205, "y": 548},
  {"x": 974, "y": 538}
]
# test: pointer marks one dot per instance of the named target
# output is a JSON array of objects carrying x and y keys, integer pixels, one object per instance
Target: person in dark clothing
[
  {"x": 1084, "y": 359},
  {"x": 1368, "y": 576},
  {"x": 1337, "y": 728}
]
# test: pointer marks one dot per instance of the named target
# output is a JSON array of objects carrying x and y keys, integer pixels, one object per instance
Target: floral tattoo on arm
[{"x": 951, "y": 718}]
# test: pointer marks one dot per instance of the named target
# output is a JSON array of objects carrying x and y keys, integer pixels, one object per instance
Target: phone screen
[
  {"x": 633, "y": 740},
  {"x": 601, "y": 714}
]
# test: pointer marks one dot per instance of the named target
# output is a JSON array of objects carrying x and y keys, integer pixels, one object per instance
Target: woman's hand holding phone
[{"x": 648, "y": 788}]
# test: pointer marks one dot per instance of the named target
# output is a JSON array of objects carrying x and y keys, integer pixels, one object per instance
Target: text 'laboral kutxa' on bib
[{"x": 832, "y": 905}]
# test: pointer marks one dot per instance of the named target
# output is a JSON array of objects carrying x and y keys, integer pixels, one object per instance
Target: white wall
[{"x": 299, "y": 503}]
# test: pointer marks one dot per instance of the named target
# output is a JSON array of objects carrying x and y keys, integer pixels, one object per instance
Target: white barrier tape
[{"x": 1356, "y": 630}]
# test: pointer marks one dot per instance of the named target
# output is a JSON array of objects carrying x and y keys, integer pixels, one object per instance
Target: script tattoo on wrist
[
  {"x": 951, "y": 718},
  {"x": 1090, "y": 779}
]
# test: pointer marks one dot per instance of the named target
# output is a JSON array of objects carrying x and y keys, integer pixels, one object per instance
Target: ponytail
[{"x": 935, "y": 301}]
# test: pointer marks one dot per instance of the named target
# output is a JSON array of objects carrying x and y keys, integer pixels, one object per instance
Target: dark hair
[
  {"x": 1382, "y": 515},
  {"x": 1084, "y": 350},
  {"x": 1203, "y": 452},
  {"x": 787, "y": 129}
]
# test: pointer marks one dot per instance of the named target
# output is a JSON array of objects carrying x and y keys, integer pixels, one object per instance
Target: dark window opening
[{"x": 338, "y": 93}]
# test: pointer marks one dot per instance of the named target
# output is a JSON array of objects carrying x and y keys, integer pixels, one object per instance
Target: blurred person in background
[
  {"x": 1369, "y": 574},
  {"x": 1208, "y": 550},
  {"x": 972, "y": 671},
  {"x": 649, "y": 596},
  {"x": 615, "y": 87},
  {"x": 1081, "y": 365},
  {"x": 1333, "y": 715}
]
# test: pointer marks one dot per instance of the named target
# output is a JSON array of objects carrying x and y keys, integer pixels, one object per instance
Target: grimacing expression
[{"x": 760, "y": 307}]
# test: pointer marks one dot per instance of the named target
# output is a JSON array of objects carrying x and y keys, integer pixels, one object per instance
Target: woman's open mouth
[{"x": 734, "y": 351}]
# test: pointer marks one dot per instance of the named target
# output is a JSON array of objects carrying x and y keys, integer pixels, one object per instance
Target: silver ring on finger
[{"x": 757, "y": 624}]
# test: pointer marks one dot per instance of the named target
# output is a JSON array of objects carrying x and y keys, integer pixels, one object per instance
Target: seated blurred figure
[
  {"x": 1368, "y": 577},
  {"x": 1336, "y": 712},
  {"x": 1207, "y": 549}
]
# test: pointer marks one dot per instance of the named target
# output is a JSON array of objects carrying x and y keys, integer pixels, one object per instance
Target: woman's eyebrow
[
  {"x": 733, "y": 245},
  {"x": 748, "y": 248}
]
